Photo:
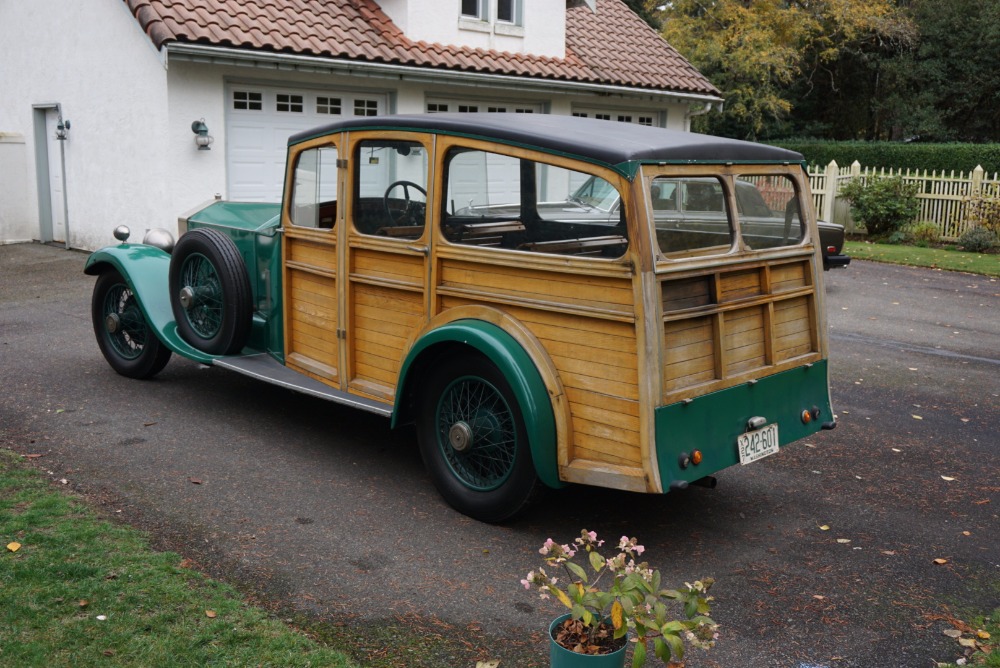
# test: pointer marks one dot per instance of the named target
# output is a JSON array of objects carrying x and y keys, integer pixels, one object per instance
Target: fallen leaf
[
  {"x": 896, "y": 450},
  {"x": 891, "y": 553},
  {"x": 967, "y": 642},
  {"x": 953, "y": 633},
  {"x": 939, "y": 562},
  {"x": 964, "y": 419},
  {"x": 985, "y": 635},
  {"x": 194, "y": 481},
  {"x": 825, "y": 527},
  {"x": 185, "y": 563},
  {"x": 211, "y": 614},
  {"x": 109, "y": 652},
  {"x": 148, "y": 424},
  {"x": 966, "y": 533},
  {"x": 949, "y": 479},
  {"x": 101, "y": 618},
  {"x": 14, "y": 547},
  {"x": 488, "y": 664},
  {"x": 33, "y": 456},
  {"x": 913, "y": 368},
  {"x": 843, "y": 540},
  {"x": 63, "y": 481},
  {"x": 84, "y": 603},
  {"x": 818, "y": 597},
  {"x": 979, "y": 503},
  {"x": 917, "y": 417}
]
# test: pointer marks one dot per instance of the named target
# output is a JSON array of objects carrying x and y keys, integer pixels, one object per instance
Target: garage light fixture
[{"x": 201, "y": 136}]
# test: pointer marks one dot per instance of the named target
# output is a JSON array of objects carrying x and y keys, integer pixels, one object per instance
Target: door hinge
[
  {"x": 341, "y": 163},
  {"x": 342, "y": 334}
]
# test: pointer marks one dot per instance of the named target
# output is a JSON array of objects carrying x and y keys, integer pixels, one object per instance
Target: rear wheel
[
  {"x": 125, "y": 338},
  {"x": 473, "y": 440},
  {"x": 210, "y": 292}
]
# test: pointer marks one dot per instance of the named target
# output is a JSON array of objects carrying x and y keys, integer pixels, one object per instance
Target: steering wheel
[{"x": 409, "y": 208}]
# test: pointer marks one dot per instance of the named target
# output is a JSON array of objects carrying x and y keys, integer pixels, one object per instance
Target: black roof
[{"x": 607, "y": 142}]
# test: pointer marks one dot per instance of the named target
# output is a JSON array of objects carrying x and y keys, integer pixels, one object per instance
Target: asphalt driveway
[{"x": 325, "y": 511}]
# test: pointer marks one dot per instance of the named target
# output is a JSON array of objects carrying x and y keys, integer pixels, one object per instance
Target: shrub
[
  {"x": 882, "y": 205},
  {"x": 925, "y": 232},
  {"x": 978, "y": 240},
  {"x": 898, "y": 155},
  {"x": 984, "y": 212}
]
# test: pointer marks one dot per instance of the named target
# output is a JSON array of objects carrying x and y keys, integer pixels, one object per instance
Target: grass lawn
[
  {"x": 938, "y": 258},
  {"x": 79, "y": 591}
]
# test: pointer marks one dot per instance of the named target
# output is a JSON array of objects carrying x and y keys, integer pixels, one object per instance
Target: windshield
[{"x": 596, "y": 193}]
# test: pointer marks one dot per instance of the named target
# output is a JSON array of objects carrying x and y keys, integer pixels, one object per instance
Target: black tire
[
  {"x": 473, "y": 440},
  {"x": 210, "y": 292},
  {"x": 124, "y": 336}
]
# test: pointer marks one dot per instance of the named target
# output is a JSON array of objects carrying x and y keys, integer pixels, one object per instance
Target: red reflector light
[{"x": 832, "y": 250}]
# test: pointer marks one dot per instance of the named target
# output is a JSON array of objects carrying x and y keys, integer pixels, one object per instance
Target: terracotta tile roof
[{"x": 360, "y": 30}]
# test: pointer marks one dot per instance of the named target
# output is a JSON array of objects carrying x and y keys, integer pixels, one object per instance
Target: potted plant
[{"x": 608, "y": 597}]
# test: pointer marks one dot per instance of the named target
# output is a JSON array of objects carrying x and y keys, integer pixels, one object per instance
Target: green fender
[
  {"x": 520, "y": 372},
  {"x": 146, "y": 270}
]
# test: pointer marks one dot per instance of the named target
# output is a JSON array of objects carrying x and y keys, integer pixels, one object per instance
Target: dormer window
[{"x": 501, "y": 16}]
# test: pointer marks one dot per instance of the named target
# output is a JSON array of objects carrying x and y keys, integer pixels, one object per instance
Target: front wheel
[
  {"x": 473, "y": 440},
  {"x": 125, "y": 338}
]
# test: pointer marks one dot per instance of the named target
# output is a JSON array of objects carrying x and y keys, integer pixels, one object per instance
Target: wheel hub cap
[
  {"x": 112, "y": 322},
  {"x": 460, "y": 436},
  {"x": 187, "y": 297}
]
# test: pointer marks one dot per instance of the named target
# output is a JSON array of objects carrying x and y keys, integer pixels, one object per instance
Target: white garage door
[{"x": 259, "y": 121}]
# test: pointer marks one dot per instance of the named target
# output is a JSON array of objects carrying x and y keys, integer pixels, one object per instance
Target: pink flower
[
  {"x": 639, "y": 549},
  {"x": 547, "y": 546}
]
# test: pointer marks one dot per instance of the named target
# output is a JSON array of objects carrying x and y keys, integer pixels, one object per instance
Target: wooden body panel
[
  {"x": 586, "y": 324},
  {"x": 759, "y": 319},
  {"x": 311, "y": 305}
]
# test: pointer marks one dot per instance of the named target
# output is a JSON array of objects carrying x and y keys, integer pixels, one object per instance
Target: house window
[
  {"x": 248, "y": 101},
  {"x": 524, "y": 110},
  {"x": 580, "y": 114},
  {"x": 468, "y": 108},
  {"x": 509, "y": 11},
  {"x": 435, "y": 107},
  {"x": 290, "y": 103},
  {"x": 624, "y": 119},
  {"x": 474, "y": 9},
  {"x": 497, "y": 110},
  {"x": 645, "y": 120},
  {"x": 366, "y": 107},
  {"x": 603, "y": 117},
  {"x": 328, "y": 105}
]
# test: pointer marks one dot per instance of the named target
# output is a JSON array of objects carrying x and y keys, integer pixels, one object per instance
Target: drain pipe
[
  {"x": 62, "y": 134},
  {"x": 705, "y": 108}
]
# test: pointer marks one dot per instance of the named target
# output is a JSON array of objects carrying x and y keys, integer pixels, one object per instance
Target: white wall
[
  {"x": 14, "y": 226},
  {"x": 94, "y": 60},
  {"x": 543, "y": 31}
]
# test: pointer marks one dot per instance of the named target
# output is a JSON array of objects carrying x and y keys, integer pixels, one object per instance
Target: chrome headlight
[{"x": 160, "y": 238}]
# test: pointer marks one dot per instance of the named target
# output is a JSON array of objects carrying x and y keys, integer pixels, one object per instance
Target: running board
[{"x": 264, "y": 367}]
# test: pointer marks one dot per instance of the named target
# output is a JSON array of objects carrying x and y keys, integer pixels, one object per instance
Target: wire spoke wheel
[
  {"x": 126, "y": 328},
  {"x": 125, "y": 338},
  {"x": 199, "y": 277},
  {"x": 476, "y": 433},
  {"x": 473, "y": 439}
]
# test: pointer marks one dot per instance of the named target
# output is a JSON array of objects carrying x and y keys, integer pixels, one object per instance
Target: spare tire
[{"x": 210, "y": 292}]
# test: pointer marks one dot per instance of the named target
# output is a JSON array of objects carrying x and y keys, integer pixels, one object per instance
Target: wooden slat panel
[
  {"x": 687, "y": 293},
  {"x": 788, "y": 276},
  {"x": 382, "y": 321},
  {"x": 319, "y": 255},
  {"x": 740, "y": 284},
  {"x": 616, "y": 405},
  {"x": 407, "y": 268},
  {"x": 689, "y": 357},
  {"x": 596, "y": 450},
  {"x": 554, "y": 286}
]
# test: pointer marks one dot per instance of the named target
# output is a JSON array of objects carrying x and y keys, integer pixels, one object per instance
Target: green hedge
[{"x": 897, "y": 155}]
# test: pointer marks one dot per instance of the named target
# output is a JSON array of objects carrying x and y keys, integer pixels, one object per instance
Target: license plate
[{"x": 758, "y": 444}]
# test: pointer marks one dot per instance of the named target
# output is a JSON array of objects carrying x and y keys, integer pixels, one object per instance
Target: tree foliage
[{"x": 766, "y": 54}]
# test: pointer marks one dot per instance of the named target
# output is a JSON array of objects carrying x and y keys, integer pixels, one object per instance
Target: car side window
[
  {"x": 769, "y": 211},
  {"x": 501, "y": 201},
  {"x": 690, "y": 215},
  {"x": 314, "y": 188},
  {"x": 390, "y": 188}
]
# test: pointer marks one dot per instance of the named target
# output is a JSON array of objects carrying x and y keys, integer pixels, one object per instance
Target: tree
[{"x": 767, "y": 55}]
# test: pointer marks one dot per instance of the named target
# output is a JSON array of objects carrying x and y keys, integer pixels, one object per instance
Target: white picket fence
[{"x": 943, "y": 197}]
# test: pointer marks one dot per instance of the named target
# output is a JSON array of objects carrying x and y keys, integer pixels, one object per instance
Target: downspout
[
  {"x": 62, "y": 131},
  {"x": 692, "y": 112}
]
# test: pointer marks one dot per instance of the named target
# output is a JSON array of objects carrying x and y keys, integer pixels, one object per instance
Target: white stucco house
[{"x": 100, "y": 97}]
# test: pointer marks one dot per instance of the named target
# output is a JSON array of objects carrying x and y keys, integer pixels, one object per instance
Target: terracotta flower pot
[{"x": 560, "y": 657}]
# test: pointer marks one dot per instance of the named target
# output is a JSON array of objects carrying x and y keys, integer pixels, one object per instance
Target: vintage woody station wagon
[{"x": 549, "y": 299}]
